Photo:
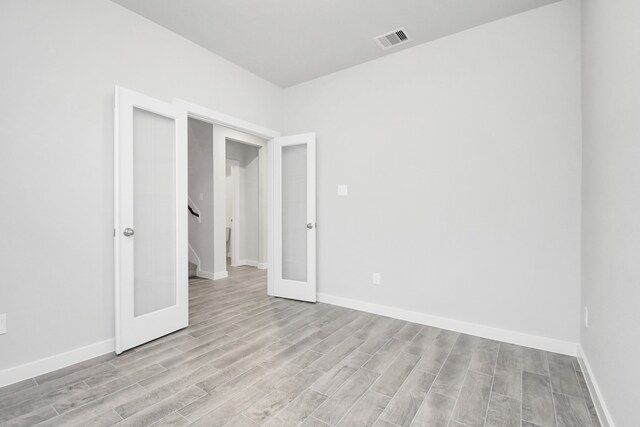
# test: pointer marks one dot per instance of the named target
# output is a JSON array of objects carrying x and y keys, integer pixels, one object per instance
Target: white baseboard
[
  {"x": 58, "y": 361},
  {"x": 513, "y": 337},
  {"x": 220, "y": 275},
  {"x": 249, "y": 262},
  {"x": 205, "y": 274},
  {"x": 262, "y": 266},
  {"x": 596, "y": 395}
]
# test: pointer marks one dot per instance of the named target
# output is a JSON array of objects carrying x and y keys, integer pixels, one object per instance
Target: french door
[
  {"x": 150, "y": 219},
  {"x": 292, "y": 267}
]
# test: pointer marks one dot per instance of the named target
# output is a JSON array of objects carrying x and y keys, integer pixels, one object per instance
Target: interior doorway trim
[
  {"x": 204, "y": 114},
  {"x": 207, "y": 115},
  {"x": 234, "y": 240}
]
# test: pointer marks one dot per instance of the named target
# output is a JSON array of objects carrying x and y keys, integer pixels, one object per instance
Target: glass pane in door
[
  {"x": 154, "y": 212},
  {"x": 294, "y": 212}
]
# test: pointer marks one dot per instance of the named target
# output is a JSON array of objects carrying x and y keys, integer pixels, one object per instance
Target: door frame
[
  {"x": 207, "y": 115},
  {"x": 234, "y": 242}
]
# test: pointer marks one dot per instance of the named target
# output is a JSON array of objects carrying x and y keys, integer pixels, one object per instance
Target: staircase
[{"x": 193, "y": 269}]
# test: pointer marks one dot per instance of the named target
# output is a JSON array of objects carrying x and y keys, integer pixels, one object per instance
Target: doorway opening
[
  {"x": 200, "y": 198},
  {"x": 287, "y": 201},
  {"x": 227, "y": 200},
  {"x": 170, "y": 208},
  {"x": 242, "y": 204}
]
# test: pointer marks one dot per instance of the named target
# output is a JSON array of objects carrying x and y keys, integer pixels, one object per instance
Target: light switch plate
[
  {"x": 586, "y": 317},
  {"x": 3, "y": 324},
  {"x": 343, "y": 190},
  {"x": 376, "y": 278}
]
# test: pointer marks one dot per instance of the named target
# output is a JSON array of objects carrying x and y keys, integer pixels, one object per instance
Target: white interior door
[
  {"x": 292, "y": 268},
  {"x": 150, "y": 221}
]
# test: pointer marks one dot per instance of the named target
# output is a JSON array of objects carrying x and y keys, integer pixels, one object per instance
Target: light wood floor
[{"x": 248, "y": 359}]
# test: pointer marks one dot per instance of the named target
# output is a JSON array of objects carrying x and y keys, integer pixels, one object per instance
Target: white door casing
[
  {"x": 150, "y": 200},
  {"x": 235, "y": 209}
]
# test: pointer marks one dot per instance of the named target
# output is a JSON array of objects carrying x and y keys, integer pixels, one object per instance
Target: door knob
[
  {"x": 128, "y": 232},
  {"x": 309, "y": 226}
]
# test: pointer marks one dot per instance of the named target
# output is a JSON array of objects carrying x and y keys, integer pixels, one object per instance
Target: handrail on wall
[{"x": 194, "y": 213}]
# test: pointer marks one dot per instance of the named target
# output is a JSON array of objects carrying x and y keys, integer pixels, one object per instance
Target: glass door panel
[
  {"x": 154, "y": 212},
  {"x": 294, "y": 212}
]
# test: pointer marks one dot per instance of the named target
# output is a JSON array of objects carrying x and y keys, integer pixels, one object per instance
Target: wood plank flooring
[{"x": 247, "y": 360}]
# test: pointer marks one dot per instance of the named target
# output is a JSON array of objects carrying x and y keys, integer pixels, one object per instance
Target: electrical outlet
[
  {"x": 343, "y": 190},
  {"x": 376, "y": 278},
  {"x": 586, "y": 317},
  {"x": 3, "y": 324}
]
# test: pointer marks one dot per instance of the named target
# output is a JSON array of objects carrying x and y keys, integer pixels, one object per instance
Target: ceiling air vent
[{"x": 392, "y": 39}]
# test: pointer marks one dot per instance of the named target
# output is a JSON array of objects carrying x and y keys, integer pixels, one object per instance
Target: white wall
[
  {"x": 248, "y": 178},
  {"x": 60, "y": 62},
  {"x": 462, "y": 158},
  {"x": 611, "y": 202},
  {"x": 201, "y": 183}
]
